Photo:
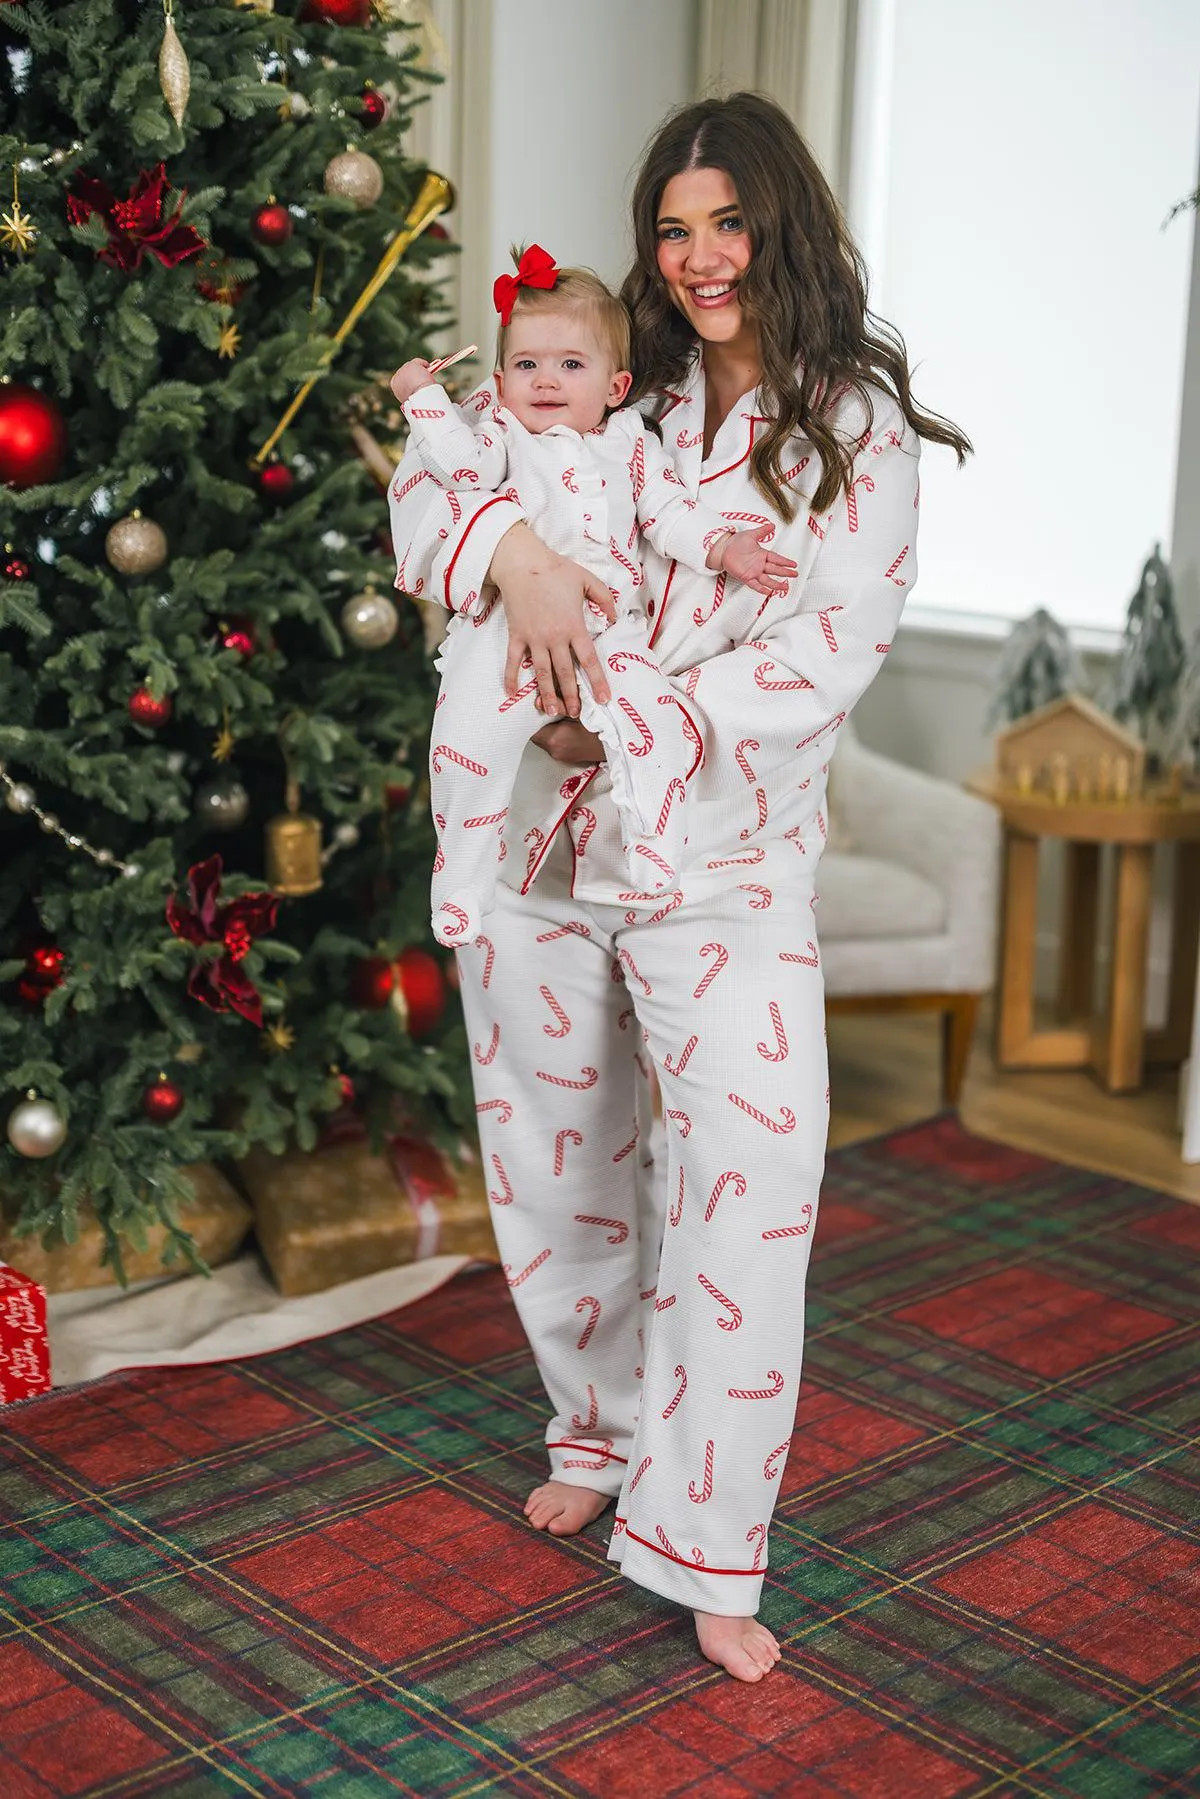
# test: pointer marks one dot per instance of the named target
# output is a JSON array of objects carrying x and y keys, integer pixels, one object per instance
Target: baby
[{"x": 589, "y": 476}]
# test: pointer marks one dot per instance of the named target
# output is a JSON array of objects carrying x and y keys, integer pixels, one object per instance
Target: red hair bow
[{"x": 535, "y": 269}]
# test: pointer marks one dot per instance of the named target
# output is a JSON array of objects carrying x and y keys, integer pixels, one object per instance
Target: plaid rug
[{"x": 308, "y": 1573}]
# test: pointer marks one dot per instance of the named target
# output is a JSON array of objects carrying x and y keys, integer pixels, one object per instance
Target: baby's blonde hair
[{"x": 575, "y": 290}]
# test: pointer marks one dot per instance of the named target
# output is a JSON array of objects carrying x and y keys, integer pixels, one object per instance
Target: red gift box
[{"x": 24, "y": 1346}]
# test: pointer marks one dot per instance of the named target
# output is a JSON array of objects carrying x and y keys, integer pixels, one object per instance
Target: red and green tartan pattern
[{"x": 307, "y": 1572}]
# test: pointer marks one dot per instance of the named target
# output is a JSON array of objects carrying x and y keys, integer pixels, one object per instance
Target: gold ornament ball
[
  {"x": 36, "y": 1129},
  {"x": 354, "y": 176},
  {"x": 370, "y": 620},
  {"x": 136, "y": 545}
]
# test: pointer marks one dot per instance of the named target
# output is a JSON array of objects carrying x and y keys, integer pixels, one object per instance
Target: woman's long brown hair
[{"x": 805, "y": 288}]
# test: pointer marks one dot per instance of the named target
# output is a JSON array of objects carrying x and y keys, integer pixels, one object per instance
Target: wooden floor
[{"x": 884, "y": 1072}]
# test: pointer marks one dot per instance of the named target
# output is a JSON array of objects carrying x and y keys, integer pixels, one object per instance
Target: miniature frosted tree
[
  {"x": 1145, "y": 679},
  {"x": 1039, "y": 664},
  {"x": 1183, "y": 737}
]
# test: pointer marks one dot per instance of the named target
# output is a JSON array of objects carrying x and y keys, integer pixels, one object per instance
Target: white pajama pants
[
  {"x": 667, "y": 1325},
  {"x": 479, "y": 736}
]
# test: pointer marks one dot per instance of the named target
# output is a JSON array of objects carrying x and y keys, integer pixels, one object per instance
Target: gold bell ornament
[{"x": 293, "y": 849}]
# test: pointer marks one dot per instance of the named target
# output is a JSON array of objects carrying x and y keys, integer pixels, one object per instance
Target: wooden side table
[{"x": 1114, "y": 1044}]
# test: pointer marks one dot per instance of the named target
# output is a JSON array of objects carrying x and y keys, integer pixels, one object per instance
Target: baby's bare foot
[
  {"x": 742, "y": 1646},
  {"x": 563, "y": 1510}
]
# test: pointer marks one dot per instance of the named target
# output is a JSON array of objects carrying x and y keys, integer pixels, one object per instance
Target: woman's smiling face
[{"x": 703, "y": 252}]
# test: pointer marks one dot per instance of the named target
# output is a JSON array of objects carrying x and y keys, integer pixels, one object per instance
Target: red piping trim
[
  {"x": 551, "y": 834},
  {"x": 587, "y": 1449},
  {"x": 717, "y": 473},
  {"x": 662, "y": 604},
  {"x": 495, "y": 501},
  {"x": 678, "y": 1559},
  {"x": 676, "y": 400}
]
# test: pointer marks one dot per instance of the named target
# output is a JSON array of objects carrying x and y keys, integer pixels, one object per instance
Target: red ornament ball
[
  {"x": 346, "y": 1089},
  {"x": 31, "y": 993},
  {"x": 45, "y": 965},
  {"x": 272, "y": 224},
  {"x": 374, "y": 108},
  {"x": 238, "y": 635},
  {"x": 16, "y": 570},
  {"x": 420, "y": 990},
  {"x": 336, "y": 12},
  {"x": 144, "y": 709},
  {"x": 439, "y": 231},
  {"x": 276, "y": 481},
  {"x": 371, "y": 983},
  {"x": 396, "y": 794},
  {"x": 162, "y": 1101},
  {"x": 33, "y": 436}
]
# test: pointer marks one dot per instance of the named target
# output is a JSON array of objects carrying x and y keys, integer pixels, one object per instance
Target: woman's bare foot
[
  {"x": 563, "y": 1510},
  {"x": 742, "y": 1646}
]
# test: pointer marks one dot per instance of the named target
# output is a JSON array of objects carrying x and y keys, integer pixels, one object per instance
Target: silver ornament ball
[
  {"x": 136, "y": 545},
  {"x": 370, "y": 620},
  {"x": 354, "y": 176},
  {"x": 224, "y": 805},
  {"x": 36, "y": 1129},
  {"x": 20, "y": 797}
]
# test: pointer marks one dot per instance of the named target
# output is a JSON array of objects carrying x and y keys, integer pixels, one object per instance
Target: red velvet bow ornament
[
  {"x": 220, "y": 983},
  {"x": 535, "y": 269},
  {"x": 137, "y": 224}
]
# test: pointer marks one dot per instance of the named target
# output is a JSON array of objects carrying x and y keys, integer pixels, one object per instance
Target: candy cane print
[
  {"x": 448, "y": 912},
  {"x": 675, "y": 791},
  {"x": 762, "y": 897},
  {"x": 794, "y": 836},
  {"x": 483, "y": 1057},
  {"x": 676, "y": 1212},
  {"x": 706, "y": 980},
  {"x": 699, "y": 616},
  {"x": 640, "y": 1470},
  {"x": 536, "y": 840},
  {"x": 779, "y": 1053},
  {"x": 619, "y": 1231},
  {"x": 561, "y": 1140},
  {"x": 620, "y": 659},
  {"x": 674, "y": 901},
  {"x": 569, "y": 481},
  {"x": 838, "y": 719},
  {"x": 562, "y": 930},
  {"x": 398, "y": 493},
  {"x": 812, "y": 960},
  {"x": 485, "y": 818},
  {"x": 489, "y": 957},
  {"x": 827, "y": 628},
  {"x": 577, "y": 1423},
  {"x": 664, "y": 1305},
  {"x": 522, "y": 693},
  {"x": 664, "y": 868},
  {"x": 749, "y": 859},
  {"x": 640, "y": 726},
  {"x": 747, "y": 743},
  {"x": 798, "y": 468},
  {"x": 772, "y": 1392},
  {"x": 504, "y": 1198},
  {"x": 792, "y": 1230},
  {"x": 890, "y": 572},
  {"x": 763, "y": 681},
  {"x": 587, "y": 1304},
  {"x": 682, "y": 1120},
  {"x": 514, "y": 1280},
  {"x": 439, "y": 861},
  {"x": 729, "y": 1179},
  {"x": 681, "y": 1377},
  {"x": 772, "y": 1463},
  {"x": 757, "y": 1534},
  {"x": 868, "y": 486},
  {"x": 603, "y": 1450},
  {"x": 788, "y": 1117},
  {"x": 734, "y": 1320},
  {"x": 581, "y": 843},
  {"x": 684, "y": 442},
  {"x": 666, "y": 1542},
  {"x": 628, "y": 1148},
  {"x": 587, "y": 1078},
  {"x": 456, "y": 756},
  {"x": 760, "y": 799},
  {"x": 685, "y": 1056},
  {"x": 813, "y": 526},
  {"x": 564, "y": 1023},
  {"x": 881, "y": 649},
  {"x": 627, "y": 962},
  {"x": 623, "y": 1017},
  {"x": 500, "y": 1106},
  {"x": 698, "y": 1495}
]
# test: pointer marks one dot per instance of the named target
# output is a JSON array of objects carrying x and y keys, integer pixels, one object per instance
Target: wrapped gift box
[
  {"x": 339, "y": 1212},
  {"x": 218, "y": 1218},
  {"x": 24, "y": 1349}
]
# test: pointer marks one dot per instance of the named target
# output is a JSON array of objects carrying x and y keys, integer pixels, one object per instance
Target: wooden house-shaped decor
[{"x": 1070, "y": 749}]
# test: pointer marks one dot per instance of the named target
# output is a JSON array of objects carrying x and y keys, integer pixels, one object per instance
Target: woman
[{"x": 664, "y": 1304}]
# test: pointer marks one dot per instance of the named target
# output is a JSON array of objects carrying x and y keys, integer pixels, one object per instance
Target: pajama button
[{"x": 650, "y": 609}]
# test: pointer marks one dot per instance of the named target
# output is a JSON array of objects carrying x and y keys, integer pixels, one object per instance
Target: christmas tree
[
  {"x": 201, "y": 666},
  {"x": 1150, "y": 662},
  {"x": 1039, "y": 664}
]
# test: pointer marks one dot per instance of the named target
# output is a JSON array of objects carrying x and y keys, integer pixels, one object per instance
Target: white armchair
[{"x": 908, "y": 887}]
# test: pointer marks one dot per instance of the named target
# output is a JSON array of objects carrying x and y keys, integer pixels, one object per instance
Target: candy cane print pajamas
[
  {"x": 588, "y": 496},
  {"x": 676, "y": 1390}
]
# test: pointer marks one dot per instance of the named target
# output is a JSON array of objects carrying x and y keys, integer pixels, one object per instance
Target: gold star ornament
[
  {"x": 230, "y": 342},
  {"x": 280, "y": 1038},
  {"x": 17, "y": 229}
]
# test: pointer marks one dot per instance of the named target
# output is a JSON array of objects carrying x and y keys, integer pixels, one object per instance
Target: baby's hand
[
  {"x": 743, "y": 555},
  {"x": 409, "y": 378}
]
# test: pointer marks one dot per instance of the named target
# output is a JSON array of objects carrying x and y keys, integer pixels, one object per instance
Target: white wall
[
  {"x": 578, "y": 87},
  {"x": 1033, "y": 151}
]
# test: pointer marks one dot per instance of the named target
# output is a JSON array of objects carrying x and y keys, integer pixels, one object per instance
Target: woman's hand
[
  {"x": 569, "y": 741},
  {"x": 543, "y": 595}
]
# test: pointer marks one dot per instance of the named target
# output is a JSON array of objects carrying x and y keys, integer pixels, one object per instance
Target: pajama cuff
[
  {"x": 460, "y": 572},
  {"x": 731, "y": 1594},
  {"x": 578, "y": 1463}
]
